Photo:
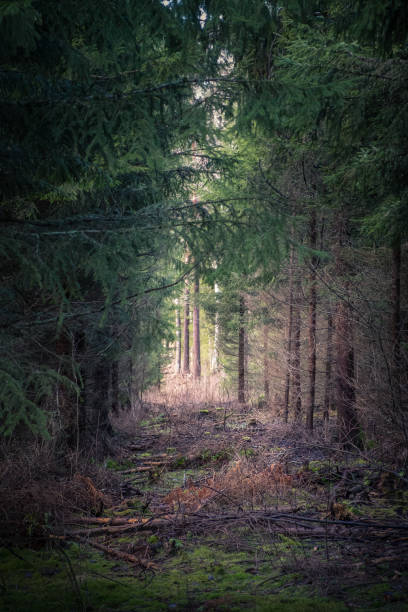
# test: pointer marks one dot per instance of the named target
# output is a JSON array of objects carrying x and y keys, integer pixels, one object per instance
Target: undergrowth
[{"x": 210, "y": 461}]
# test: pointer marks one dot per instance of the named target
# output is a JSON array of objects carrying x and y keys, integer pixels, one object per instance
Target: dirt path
[
  {"x": 214, "y": 474},
  {"x": 216, "y": 508}
]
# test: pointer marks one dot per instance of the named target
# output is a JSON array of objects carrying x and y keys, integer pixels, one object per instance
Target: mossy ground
[
  {"x": 194, "y": 577},
  {"x": 80, "y": 579},
  {"x": 241, "y": 567}
]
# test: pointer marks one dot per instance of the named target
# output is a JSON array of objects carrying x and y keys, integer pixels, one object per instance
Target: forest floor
[{"x": 209, "y": 507}]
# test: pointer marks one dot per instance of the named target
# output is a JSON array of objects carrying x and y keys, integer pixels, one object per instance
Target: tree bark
[
  {"x": 345, "y": 391},
  {"x": 196, "y": 329},
  {"x": 178, "y": 338},
  {"x": 312, "y": 325},
  {"x": 297, "y": 389},
  {"x": 396, "y": 320},
  {"x": 241, "y": 352},
  {"x": 215, "y": 352},
  {"x": 347, "y": 423},
  {"x": 289, "y": 340},
  {"x": 186, "y": 353},
  {"x": 115, "y": 386},
  {"x": 266, "y": 363},
  {"x": 328, "y": 370}
]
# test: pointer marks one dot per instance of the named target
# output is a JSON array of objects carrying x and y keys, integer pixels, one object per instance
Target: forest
[{"x": 204, "y": 305}]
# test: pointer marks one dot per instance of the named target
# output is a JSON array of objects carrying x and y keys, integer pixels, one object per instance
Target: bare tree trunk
[
  {"x": 312, "y": 325},
  {"x": 186, "y": 354},
  {"x": 289, "y": 339},
  {"x": 130, "y": 383},
  {"x": 266, "y": 362},
  {"x": 115, "y": 387},
  {"x": 246, "y": 360},
  {"x": 396, "y": 320},
  {"x": 328, "y": 374},
  {"x": 345, "y": 391},
  {"x": 196, "y": 329},
  {"x": 215, "y": 352},
  {"x": 241, "y": 352},
  {"x": 178, "y": 338},
  {"x": 297, "y": 390},
  {"x": 347, "y": 422}
]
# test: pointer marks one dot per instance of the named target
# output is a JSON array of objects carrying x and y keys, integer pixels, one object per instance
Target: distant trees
[
  {"x": 314, "y": 118},
  {"x": 96, "y": 106},
  {"x": 102, "y": 110}
]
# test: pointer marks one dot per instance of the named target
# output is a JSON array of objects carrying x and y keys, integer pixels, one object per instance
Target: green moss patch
[{"x": 77, "y": 578}]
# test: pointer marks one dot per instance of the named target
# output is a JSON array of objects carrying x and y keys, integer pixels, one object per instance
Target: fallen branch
[
  {"x": 142, "y": 468},
  {"x": 113, "y": 526},
  {"x": 117, "y": 554}
]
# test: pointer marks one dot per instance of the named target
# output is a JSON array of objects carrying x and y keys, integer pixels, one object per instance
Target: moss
[
  {"x": 126, "y": 512},
  {"x": 180, "y": 461},
  {"x": 247, "y": 452},
  {"x": 384, "y": 596},
  {"x": 176, "y": 478},
  {"x": 112, "y": 464},
  {"x": 317, "y": 466},
  {"x": 193, "y": 578}
]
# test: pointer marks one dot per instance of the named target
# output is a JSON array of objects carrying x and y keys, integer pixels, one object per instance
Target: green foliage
[
  {"x": 100, "y": 105},
  {"x": 94, "y": 103}
]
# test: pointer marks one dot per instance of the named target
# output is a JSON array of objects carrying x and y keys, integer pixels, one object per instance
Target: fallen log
[
  {"x": 123, "y": 525},
  {"x": 282, "y": 520},
  {"x": 91, "y": 520},
  {"x": 141, "y": 468},
  {"x": 116, "y": 554}
]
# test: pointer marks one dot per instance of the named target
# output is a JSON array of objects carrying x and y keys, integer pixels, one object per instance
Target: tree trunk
[
  {"x": 94, "y": 425},
  {"x": 186, "y": 354},
  {"x": 312, "y": 325},
  {"x": 196, "y": 329},
  {"x": 348, "y": 427},
  {"x": 69, "y": 419},
  {"x": 241, "y": 352},
  {"x": 178, "y": 338},
  {"x": 266, "y": 363},
  {"x": 289, "y": 340},
  {"x": 345, "y": 391},
  {"x": 115, "y": 387},
  {"x": 130, "y": 384},
  {"x": 297, "y": 390},
  {"x": 328, "y": 374},
  {"x": 396, "y": 321},
  {"x": 215, "y": 352}
]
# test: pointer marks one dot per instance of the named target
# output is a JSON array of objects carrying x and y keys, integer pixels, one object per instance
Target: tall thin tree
[
  {"x": 186, "y": 330},
  {"x": 297, "y": 323},
  {"x": 241, "y": 352},
  {"x": 312, "y": 323},
  {"x": 327, "y": 401},
  {"x": 289, "y": 341},
  {"x": 196, "y": 328},
  {"x": 216, "y": 348},
  {"x": 178, "y": 337},
  {"x": 348, "y": 426}
]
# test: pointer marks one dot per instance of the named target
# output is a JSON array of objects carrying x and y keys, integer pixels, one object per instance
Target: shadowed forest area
[{"x": 203, "y": 305}]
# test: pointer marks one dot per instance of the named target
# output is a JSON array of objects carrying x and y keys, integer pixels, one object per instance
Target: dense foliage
[{"x": 286, "y": 121}]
